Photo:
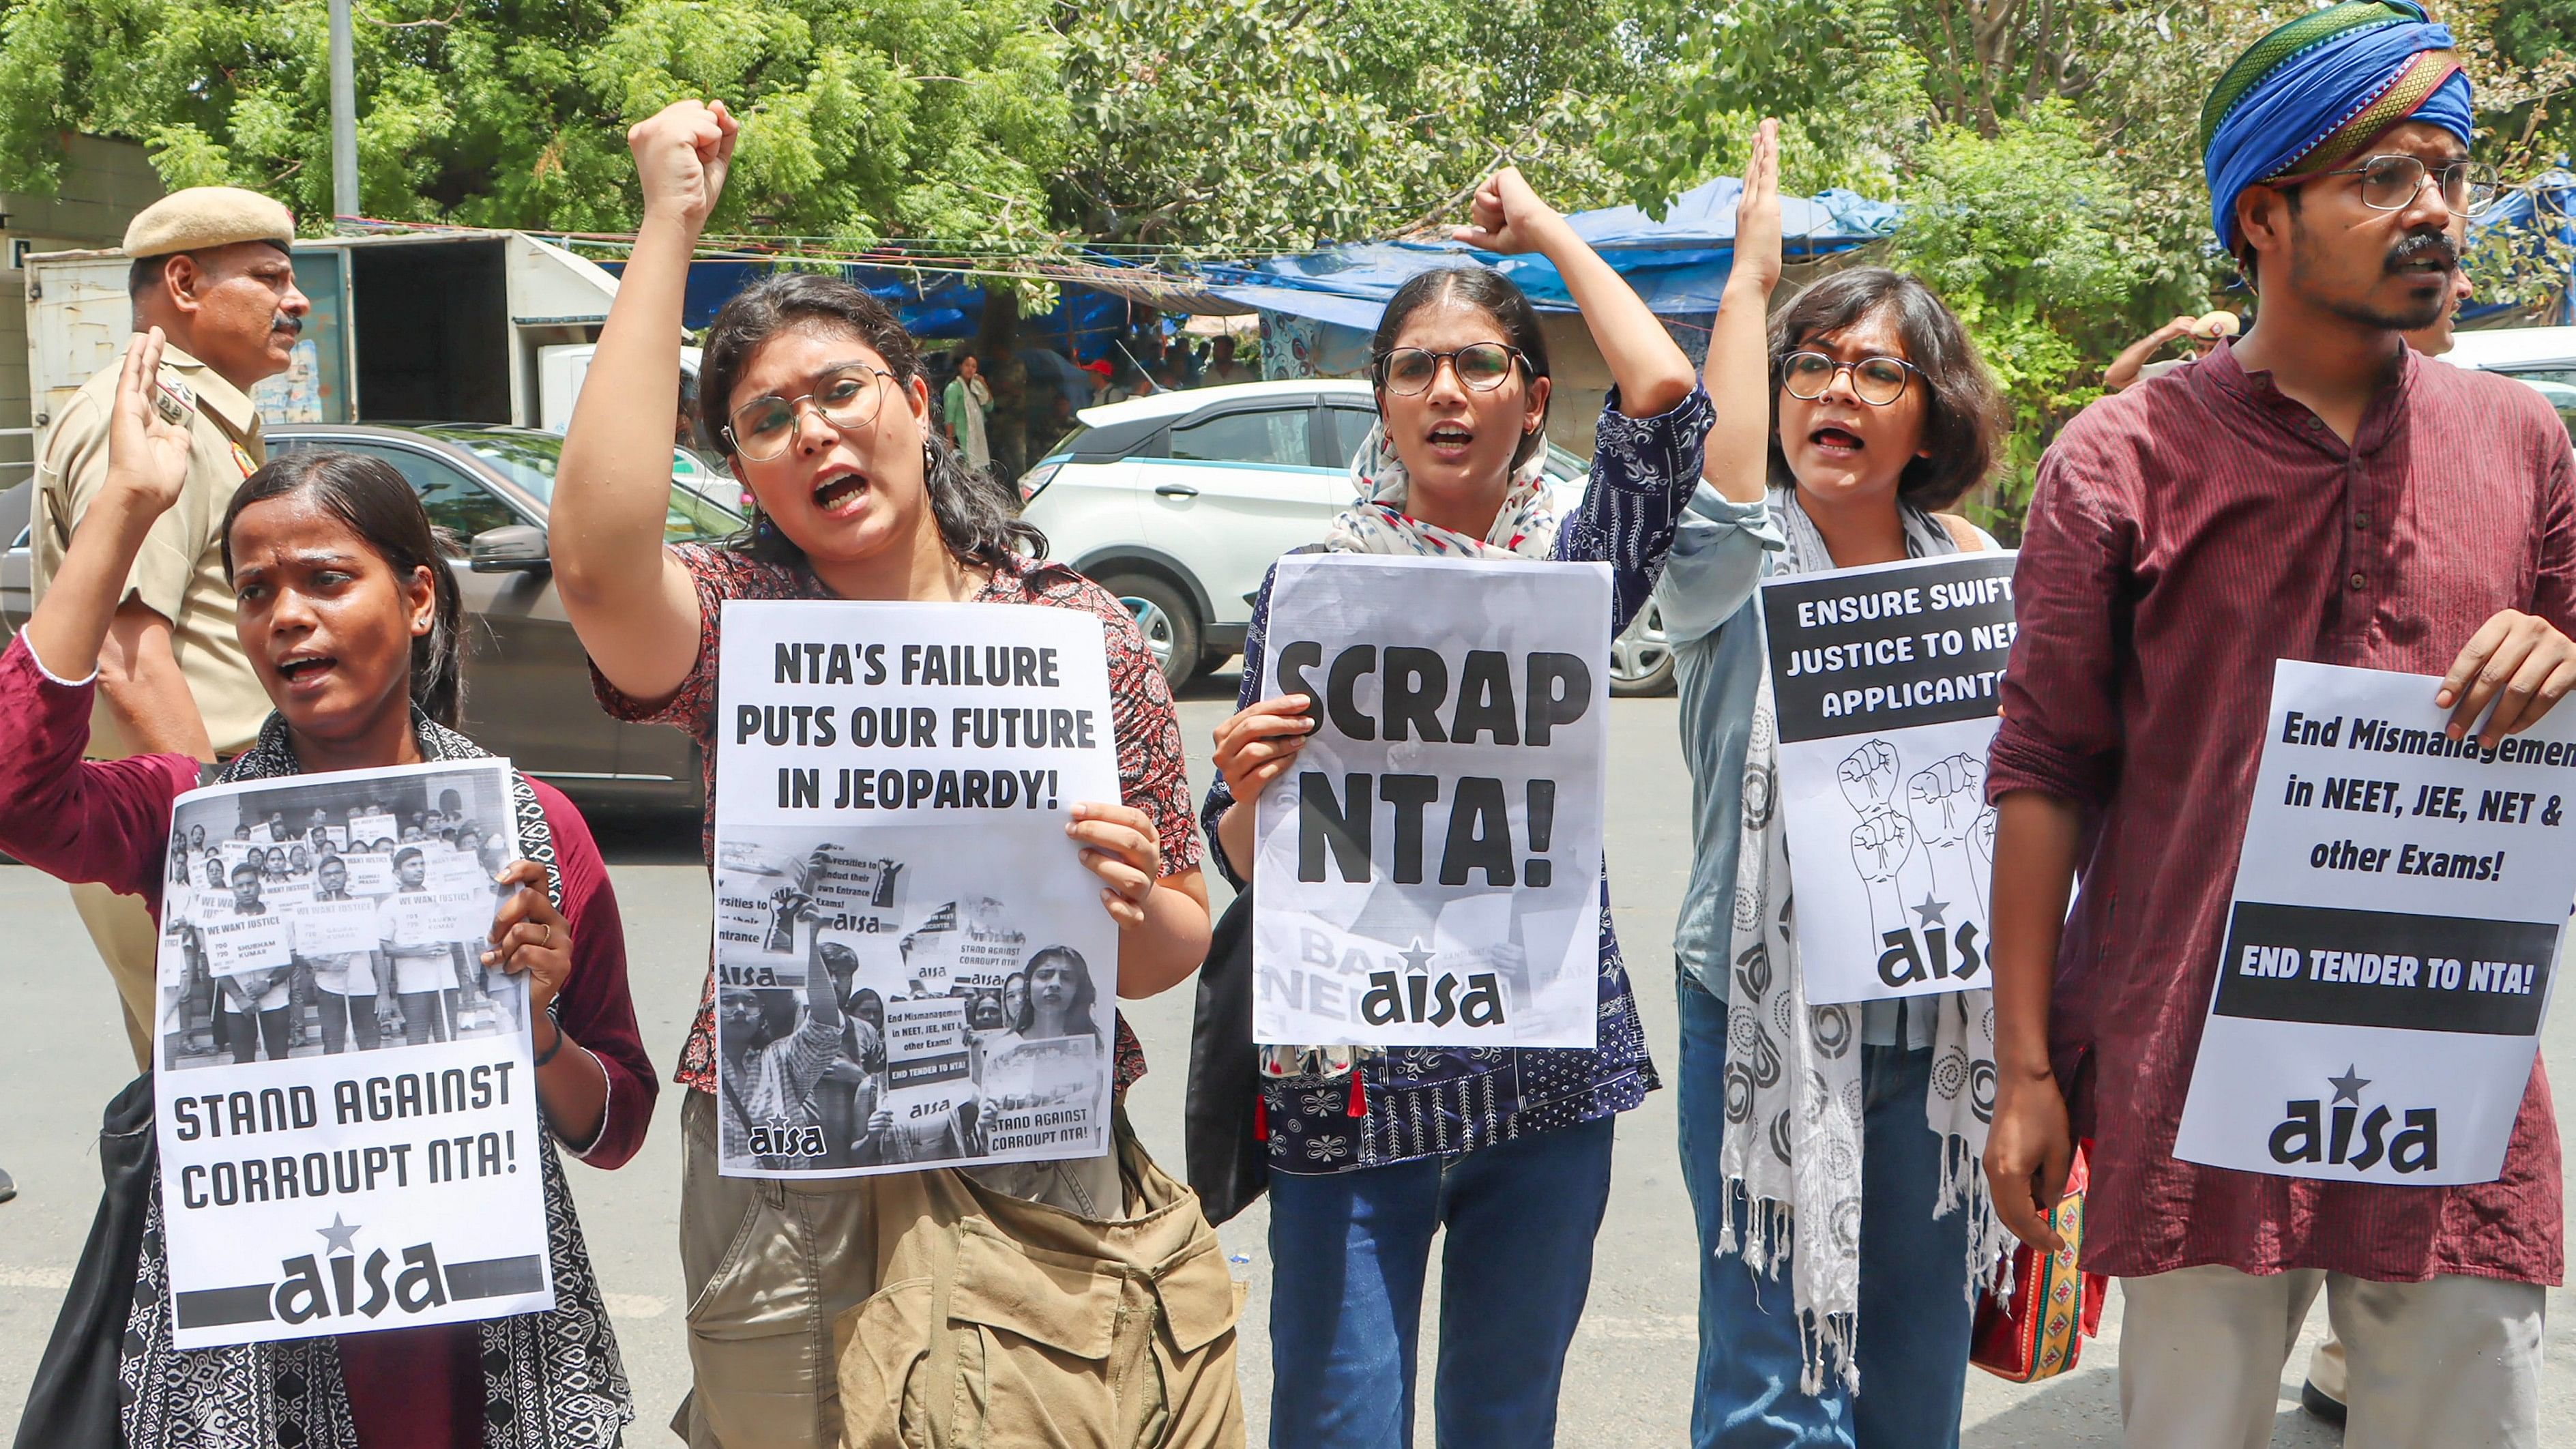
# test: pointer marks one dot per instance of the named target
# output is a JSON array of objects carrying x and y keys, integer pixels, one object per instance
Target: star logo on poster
[
  {"x": 1416, "y": 959},
  {"x": 2348, "y": 1086},
  {"x": 340, "y": 1236},
  {"x": 1930, "y": 911}
]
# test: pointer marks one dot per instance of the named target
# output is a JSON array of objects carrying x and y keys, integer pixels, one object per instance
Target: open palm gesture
[{"x": 147, "y": 453}]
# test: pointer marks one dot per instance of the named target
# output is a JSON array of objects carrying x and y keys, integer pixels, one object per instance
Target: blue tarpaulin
[
  {"x": 1678, "y": 264},
  {"x": 2545, "y": 209},
  {"x": 932, "y": 306}
]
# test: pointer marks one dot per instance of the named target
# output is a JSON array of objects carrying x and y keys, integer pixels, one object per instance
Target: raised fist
[
  {"x": 1880, "y": 845},
  {"x": 681, "y": 154},
  {"x": 1868, "y": 777},
  {"x": 1944, "y": 798}
]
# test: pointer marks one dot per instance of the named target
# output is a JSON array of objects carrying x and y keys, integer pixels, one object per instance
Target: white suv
[{"x": 1179, "y": 502}]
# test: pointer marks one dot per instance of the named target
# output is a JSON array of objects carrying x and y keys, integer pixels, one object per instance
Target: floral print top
[{"x": 1150, "y": 773}]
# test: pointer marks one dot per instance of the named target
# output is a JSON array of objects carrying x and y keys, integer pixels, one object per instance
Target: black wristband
[{"x": 550, "y": 1053}]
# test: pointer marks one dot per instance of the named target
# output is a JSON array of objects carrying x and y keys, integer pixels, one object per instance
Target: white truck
[{"x": 430, "y": 326}]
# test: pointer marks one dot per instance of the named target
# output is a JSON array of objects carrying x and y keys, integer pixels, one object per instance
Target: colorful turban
[{"x": 2311, "y": 94}]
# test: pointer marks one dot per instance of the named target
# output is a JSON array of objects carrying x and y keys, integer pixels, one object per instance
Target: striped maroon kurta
[{"x": 2185, "y": 534}]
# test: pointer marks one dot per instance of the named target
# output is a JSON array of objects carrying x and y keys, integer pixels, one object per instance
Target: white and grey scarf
[
  {"x": 1793, "y": 1070},
  {"x": 550, "y": 1380},
  {"x": 1524, "y": 526}
]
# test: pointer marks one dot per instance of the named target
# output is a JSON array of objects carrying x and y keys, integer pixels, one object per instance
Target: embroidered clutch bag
[{"x": 2038, "y": 1332}]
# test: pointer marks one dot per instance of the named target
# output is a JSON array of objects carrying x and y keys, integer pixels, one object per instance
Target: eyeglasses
[
  {"x": 2391, "y": 183},
  {"x": 849, "y": 399},
  {"x": 1406, "y": 371},
  {"x": 1876, "y": 381}
]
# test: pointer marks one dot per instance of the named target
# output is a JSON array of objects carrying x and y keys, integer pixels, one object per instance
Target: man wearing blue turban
[{"x": 2314, "y": 491}]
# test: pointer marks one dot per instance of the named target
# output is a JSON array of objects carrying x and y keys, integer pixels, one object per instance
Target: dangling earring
[{"x": 929, "y": 461}]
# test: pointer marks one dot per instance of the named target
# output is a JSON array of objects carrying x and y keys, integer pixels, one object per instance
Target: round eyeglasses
[
  {"x": 2392, "y": 182},
  {"x": 1876, "y": 381},
  {"x": 1407, "y": 371},
  {"x": 848, "y": 399}
]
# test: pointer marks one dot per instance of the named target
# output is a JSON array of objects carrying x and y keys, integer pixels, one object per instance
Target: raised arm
[
  {"x": 147, "y": 466},
  {"x": 1738, "y": 375},
  {"x": 1652, "y": 374},
  {"x": 631, "y": 602},
  {"x": 2124, "y": 368}
]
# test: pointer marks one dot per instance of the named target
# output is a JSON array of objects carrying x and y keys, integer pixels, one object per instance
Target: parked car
[
  {"x": 2542, "y": 357},
  {"x": 1179, "y": 502},
  {"x": 527, "y": 679}
]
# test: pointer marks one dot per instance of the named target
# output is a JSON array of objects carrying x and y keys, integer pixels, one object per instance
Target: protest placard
[
  {"x": 340, "y": 1190},
  {"x": 1883, "y": 681},
  {"x": 240, "y": 942},
  {"x": 925, "y": 1040},
  {"x": 893, "y": 782},
  {"x": 366, "y": 831},
  {"x": 1040, "y": 1092},
  {"x": 2391, "y": 943},
  {"x": 1430, "y": 868},
  {"x": 336, "y": 927}
]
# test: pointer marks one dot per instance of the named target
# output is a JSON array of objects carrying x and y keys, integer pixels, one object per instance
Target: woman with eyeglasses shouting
[
  {"x": 1371, "y": 1154},
  {"x": 817, "y": 397},
  {"x": 1857, "y": 1239}
]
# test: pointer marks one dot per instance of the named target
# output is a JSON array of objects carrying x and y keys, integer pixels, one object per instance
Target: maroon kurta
[{"x": 2186, "y": 534}]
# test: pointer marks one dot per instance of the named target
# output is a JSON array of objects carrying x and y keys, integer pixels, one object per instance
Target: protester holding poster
[
  {"x": 817, "y": 397},
  {"x": 1372, "y": 1152},
  {"x": 350, "y": 617},
  {"x": 1881, "y": 413},
  {"x": 2314, "y": 492}
]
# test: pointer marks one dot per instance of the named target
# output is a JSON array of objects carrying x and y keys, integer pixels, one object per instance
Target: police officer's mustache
[
  {"x": 2430, "y": 248},
  {"x": 288, "y": 323}
]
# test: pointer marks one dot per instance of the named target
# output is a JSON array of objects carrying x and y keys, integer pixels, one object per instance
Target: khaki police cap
[{"x": 201, "y": 217}]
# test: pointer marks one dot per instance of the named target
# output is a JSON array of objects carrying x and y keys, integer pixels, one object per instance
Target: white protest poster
[
  {"x": 368, "y": 831},
  {"x": 1883, "y": 681},
  {"x": 256, "y": 938},
  {"x": 1430, "y": 868},
  {"x": 2392, "y": 939},
  {"x": 895, "y": 895},
  {"x": 384, "y": 1184}
]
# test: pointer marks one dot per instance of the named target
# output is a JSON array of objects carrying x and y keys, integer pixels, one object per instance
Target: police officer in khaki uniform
[{"x": 212, "y": 271}]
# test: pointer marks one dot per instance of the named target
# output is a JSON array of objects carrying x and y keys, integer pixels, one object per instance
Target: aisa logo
[
  {"x": 2350, "y": 1136},
  {"x": 785, "y": 1139},
  {"x": 1418, "y": 996},
  {"x": 1935, "y": 950},
  {"x": 338, "y": 1283}
]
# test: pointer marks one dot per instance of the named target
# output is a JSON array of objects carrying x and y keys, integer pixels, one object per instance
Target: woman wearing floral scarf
[
  {"x": 1373, "y": 1153},
  {"x": 1839, "y": 1142}
]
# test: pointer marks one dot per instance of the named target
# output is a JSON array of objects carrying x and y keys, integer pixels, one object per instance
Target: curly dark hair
[
  {"x": 974, "y": 521},
  {"x": 1962, "y": 415}
]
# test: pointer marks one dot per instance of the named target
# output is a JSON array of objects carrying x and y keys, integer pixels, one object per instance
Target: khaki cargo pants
[{"x": 770, "y": 1265}]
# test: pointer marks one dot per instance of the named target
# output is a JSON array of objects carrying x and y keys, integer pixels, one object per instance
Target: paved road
[{"x": 1628, "y": 1379}]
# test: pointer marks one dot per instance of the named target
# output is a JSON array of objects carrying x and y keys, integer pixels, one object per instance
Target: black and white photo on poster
[
  {"x": 899, "y": 914},
  {"x": 1431, "y": 867},
  {"x": 2392, "y": 940},
  {"x": 345, "y": 1100},
  {"x": 1883, "y": 680}
]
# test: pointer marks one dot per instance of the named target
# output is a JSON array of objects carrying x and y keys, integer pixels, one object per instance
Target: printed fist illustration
[
  {"x": 1868, "y": 777},
  {"x": 1880, "y": 845},
  {"x": 1944, "y": 798},
  {"x": 1981, "y": 835}
]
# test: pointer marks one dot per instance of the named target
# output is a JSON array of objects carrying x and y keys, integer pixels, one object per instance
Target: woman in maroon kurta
[{"x": 350, "y": 619}]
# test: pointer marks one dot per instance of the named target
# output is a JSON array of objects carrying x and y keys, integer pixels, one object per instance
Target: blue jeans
[
  {"x": 1348, "y": 1253},
  {"x": 1914, "y": 1310}
]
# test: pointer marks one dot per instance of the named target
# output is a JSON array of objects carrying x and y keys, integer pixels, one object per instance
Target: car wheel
[
  {"x": 1641, "y": 659},
  {"x": 1169, "y": 624}
]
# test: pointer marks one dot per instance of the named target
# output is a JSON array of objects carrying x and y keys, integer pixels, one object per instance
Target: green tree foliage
[
  {"x": 1246, "y": 124},
  {"x": 915, "y": 117}
]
